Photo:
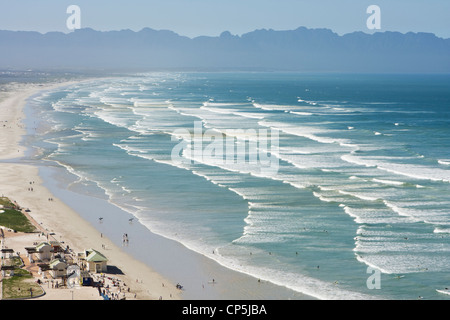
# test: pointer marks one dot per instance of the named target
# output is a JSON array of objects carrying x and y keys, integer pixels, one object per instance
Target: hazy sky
[{"x": 211, "y": 17}]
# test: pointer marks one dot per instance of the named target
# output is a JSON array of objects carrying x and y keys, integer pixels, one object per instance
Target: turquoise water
[{"x": 355, "y": 190}]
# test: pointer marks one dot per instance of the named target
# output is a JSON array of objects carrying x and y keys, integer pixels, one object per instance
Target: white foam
[
  {"x": 388, "y": 182},
  {"x": 405, "y": 262},
  {"x": 357, "y": 160},
  {"x": 445, "y": 291},
  {"x": 249, "y": 115},
  {"x": 349, "y": 211},
  {"x": 284, "y": 108},
  {"x": 308, "y": 132},
  {"x": 218, "y": 110},
  {"x": 268, "y": 107},
  {"x": 301, "y": 113},
  {"x": 359, "y": 196},
  {"x": 441, "y": 230},
  {"x": 236, "y": 112},
  {"x": 322, "y": 198},
  {"x": 417, "y": 172},
  {"x": 409, "y": 170},
  {"x": 243, "y": 195},
  {"x": 445, "y": 162},
  {"x": 372, "y": 265},
  {"x": 401, "y": 211}
]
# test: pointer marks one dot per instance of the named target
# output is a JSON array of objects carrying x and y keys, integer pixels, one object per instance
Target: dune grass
[
  {"x": 13, "y": 218},
  {"x": 19, "y": 285}
]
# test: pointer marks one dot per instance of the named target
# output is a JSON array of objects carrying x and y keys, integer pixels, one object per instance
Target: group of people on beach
[
  {"x": 106, "y": 292},
  {"x": 125, "y": 238},
  {"x": 31, "y": 183}
]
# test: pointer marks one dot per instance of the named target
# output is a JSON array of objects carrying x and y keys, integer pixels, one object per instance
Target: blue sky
[{"x": 211, "y": 17}]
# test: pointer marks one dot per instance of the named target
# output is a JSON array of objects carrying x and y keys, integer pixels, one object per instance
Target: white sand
[{"x": 57, "y": 217}]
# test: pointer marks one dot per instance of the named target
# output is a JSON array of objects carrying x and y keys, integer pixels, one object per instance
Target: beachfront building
[
  {"x": 93, "y": 260},
  {"x": 6, "y": 251},
  {"x": 43, "y": 267},
  {"x": 58, "y": 268},
  {"x": 44, "y": 251},
  {"x": 4, "y": 268},
  {"x": 30, "y": 252}
]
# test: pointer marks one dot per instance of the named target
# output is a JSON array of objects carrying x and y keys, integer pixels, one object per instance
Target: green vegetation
[
  {"x": 19, "y": 285},
  {"x": 5, "y": 202},
  {"x": 12, "y": 218}
]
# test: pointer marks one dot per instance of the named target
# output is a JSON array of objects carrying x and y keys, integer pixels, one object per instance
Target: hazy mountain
[{"x": 309, "y": 50}]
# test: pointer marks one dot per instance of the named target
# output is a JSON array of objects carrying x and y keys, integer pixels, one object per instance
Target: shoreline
[
  {"x": 174, "y": 262},
  {"x": 55, "y": 215}
]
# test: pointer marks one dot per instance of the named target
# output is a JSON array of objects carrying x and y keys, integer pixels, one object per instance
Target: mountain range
[{"x": 300, "y": 50}]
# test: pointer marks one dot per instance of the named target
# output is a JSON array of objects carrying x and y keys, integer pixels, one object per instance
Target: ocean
[{"x": 335, "y": 186}]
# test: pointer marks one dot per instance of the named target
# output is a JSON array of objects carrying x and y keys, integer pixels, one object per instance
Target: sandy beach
[{"x": 55, "y": 216}]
